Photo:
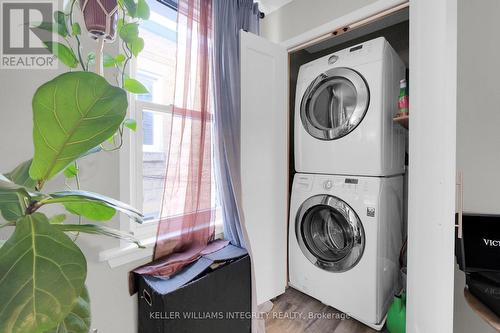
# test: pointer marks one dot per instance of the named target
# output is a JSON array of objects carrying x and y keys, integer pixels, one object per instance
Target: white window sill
[{"x": 124, "y": 255}]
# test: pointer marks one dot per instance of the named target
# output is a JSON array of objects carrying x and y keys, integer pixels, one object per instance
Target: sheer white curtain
[{"x": 186, "y": 227}]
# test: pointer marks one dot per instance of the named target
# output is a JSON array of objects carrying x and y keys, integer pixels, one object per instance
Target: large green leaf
[
  {"x": 20, "y": 175},
  {"x": 71, "y": 171},
  {"x": 76, "y": 30},
  {"x": 129, "y": 32},
  {"x": 57, "y": 219},
  {"x": 134, "y": 86},
  {"x": 142, "y": 10},
  {"x": 78, "y": 320},
  {"x": 72, "y": 114},
  {"x": 12, "y": 205},
  {"x": 120, "y": 58},
  {"x": 136, "y": 46},
  {"x": 14, "y": 199},
  {"x": 50, "y": 26},
  {"x": 131, "y": 124},
  {"x": 130, "y": 5},
  {"x": 47, "y": 26},
  {"x": 91, "y": 200},
  {"x": 108, "y": 61},
  {"x": 60, "y": 19},
  {"x": 94, "y": 150},
  {"x": 91, "y": 209},
  {"x": 42, "y": 273},
  {"x": 95, "y": 229},
  {"x": 63, "y": 53}
]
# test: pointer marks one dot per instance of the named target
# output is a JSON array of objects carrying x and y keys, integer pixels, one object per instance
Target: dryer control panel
[{"x": 354, "y": 51}]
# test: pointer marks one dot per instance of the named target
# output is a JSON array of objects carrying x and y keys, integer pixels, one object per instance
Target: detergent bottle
[
  {"x": 396, "y": 316},
  {"x": 403, "y": 99}
]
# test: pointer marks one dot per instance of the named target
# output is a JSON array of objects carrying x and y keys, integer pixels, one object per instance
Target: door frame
[
  {"x": 432, "y": 175},
  {"x": 432, "y": 145}
]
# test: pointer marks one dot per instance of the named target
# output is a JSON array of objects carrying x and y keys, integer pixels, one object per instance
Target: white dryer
[
  {"x": 343, "y": 112},
  {"x": 345, "y": 235}
]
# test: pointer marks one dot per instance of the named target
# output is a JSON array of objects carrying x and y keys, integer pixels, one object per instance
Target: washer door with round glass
[
  {"x": 330, "y": 233},
  {"x": 334, "y": 104}
]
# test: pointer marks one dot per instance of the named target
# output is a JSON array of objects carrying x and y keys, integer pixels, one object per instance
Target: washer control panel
[
  {"x": 328, "y": 184},
  {"x": 303, "y": 182},
  {"x": 351, "y": 184}
]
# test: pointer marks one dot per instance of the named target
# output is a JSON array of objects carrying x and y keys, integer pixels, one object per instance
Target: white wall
[
  {"x": 300, "y": 16},
  {"x": 478, "y": 122},
  {"x": 478, "y": 140},
  {"x": 113, "y": 310},
  {"x": 432, "y": 163}
]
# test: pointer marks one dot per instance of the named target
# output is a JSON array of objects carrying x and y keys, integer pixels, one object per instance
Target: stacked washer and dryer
[{"x": 346, "y": 211}]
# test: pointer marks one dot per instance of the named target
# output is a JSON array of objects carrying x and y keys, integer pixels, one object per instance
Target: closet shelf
[{"x": 402, "y": 120}]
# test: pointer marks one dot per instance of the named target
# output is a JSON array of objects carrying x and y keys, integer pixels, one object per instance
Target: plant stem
[
  {"x": 9, "y": 224},
  {"x": 77, "y": 176},
  {"x": 119, "y": 146},
  {"x": 39, "y": 185},
  {"x": 77, "y": 179},
  {"x": 126, "y": 50},
  {"x": 79, "y": 45},
  {"x": 34, "y": 206},
  {"x": 128, "y": 54}
]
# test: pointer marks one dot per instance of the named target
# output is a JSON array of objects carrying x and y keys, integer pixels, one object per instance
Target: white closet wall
[
  {"x": 299, "y": 16},
  {"x": 478, "y": 122}
]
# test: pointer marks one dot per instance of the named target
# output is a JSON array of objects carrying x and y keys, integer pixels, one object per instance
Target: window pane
[
  {"x": 156, "y": 63},
  {"x": 156, "y": 127},
  {"x": 155, "y": 69}
]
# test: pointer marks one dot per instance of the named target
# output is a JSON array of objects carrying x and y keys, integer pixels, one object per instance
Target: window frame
[
  {"x": 131, "y": 175},
  {"x": 131, "y": 162},
  {"x": 147, "y": 228},
  {"x": 170, "y": 3}
]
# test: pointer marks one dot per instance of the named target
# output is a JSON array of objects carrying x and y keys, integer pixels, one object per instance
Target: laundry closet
[
  {"x": 347, "y": 168},
  {"x": 373, "y": 231}
]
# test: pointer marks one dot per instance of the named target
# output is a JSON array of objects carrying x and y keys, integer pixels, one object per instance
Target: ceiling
[{"x": 268, "y": 6}]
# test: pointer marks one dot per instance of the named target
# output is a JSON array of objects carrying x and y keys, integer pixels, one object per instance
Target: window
[{"x": 155, "y": 68}]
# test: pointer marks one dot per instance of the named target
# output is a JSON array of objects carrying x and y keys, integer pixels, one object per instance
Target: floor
[{"x": 295, "y": 312}]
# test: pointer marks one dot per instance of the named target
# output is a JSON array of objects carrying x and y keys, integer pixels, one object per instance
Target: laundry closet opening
[{"x": 348, "y": 162}]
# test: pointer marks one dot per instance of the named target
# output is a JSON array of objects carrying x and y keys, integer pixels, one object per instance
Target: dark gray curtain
[{"x": 229, "y": 17}]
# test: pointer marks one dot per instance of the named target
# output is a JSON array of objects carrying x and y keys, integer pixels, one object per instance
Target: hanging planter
[{"x": 101, "y": 17}]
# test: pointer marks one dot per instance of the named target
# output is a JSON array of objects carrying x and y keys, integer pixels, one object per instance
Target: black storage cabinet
[
  {"x": 479, "y": 248},
  {"x": 217, "y": 300},
  {"x": 478, "y": 255}
]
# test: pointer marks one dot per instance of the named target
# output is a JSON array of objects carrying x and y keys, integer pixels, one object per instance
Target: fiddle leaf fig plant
[
  {"x": 43, "y": 273},
  {"x": 78, "y": 320},
  {"x": 78, "y": 113},
  {"x": 73, "y": 113}
]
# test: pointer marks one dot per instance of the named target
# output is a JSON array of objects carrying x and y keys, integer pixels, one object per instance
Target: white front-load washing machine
[
  {"x": 344, "y": 107},
  {"x": 345, "y": 235}
]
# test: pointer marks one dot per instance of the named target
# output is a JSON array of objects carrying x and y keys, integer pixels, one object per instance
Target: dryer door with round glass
[
  {"x": 330, "y": 233},
  {"x": 334, "y": 104}
]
